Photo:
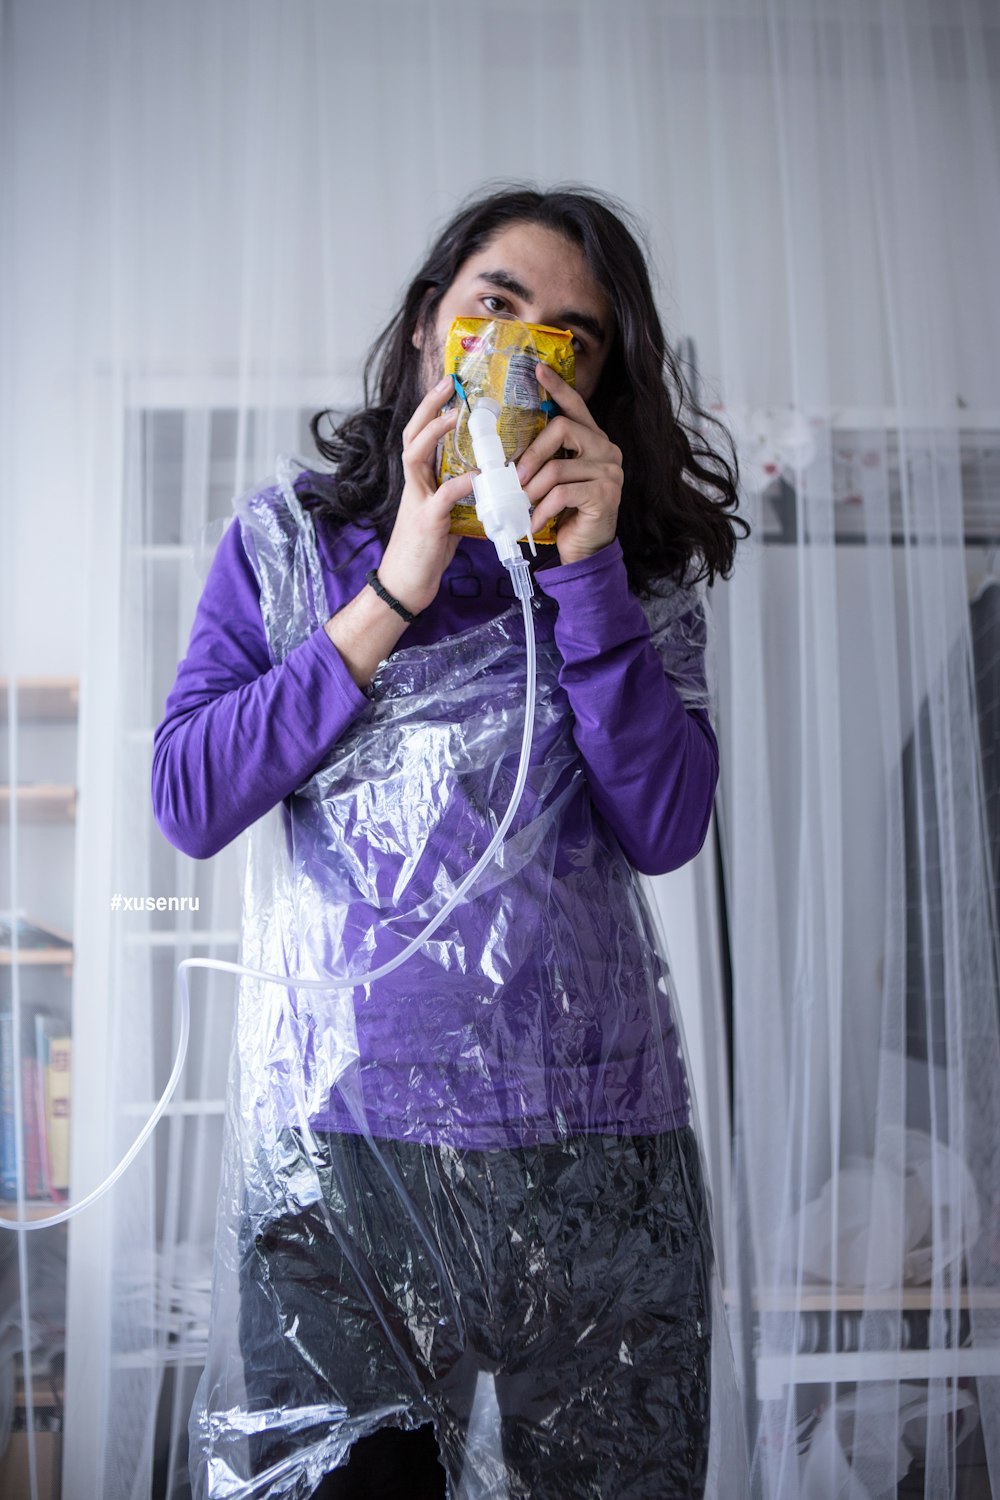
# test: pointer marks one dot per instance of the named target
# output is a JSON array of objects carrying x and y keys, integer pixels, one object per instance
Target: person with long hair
[{"x": 509, "y": 1185}]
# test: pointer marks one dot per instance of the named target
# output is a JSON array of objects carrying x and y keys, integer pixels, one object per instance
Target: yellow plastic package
[{"x": 496, "y": 357}]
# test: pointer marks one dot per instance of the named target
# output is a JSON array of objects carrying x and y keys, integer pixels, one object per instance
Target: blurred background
[{"x": 208, "y": 209}]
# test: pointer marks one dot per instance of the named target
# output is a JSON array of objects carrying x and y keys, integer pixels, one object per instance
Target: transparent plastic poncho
[{"x": 466, "y": 1195}]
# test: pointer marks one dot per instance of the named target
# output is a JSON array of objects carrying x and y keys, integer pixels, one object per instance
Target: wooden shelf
[
  {"x": 50, "y": 957},
  {"x": 45, "y": 1393},
  {"x": 43, "y": 803},
  {"x": 42, "y": 699},
  {"x": 40, "y": 942},
  {"x": 34, "y": 1208}
]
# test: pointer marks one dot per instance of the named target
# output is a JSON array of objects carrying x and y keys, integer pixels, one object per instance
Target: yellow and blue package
[{"x": 496, "y": 357}]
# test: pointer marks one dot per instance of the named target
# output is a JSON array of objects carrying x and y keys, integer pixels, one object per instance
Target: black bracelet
[{"x": 372, "y": 579}]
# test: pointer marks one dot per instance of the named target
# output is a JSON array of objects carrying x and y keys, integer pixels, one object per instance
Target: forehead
[{"x": 548, "y": 264}]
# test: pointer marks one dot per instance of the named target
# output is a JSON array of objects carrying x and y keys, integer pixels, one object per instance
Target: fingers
[
  {"x": 582, "y": 489},
  {"x": 564, "y": 498},
  {"x": 421, "y": 545},
  {"x": 563, "y": 432},
  {"x": 565, "y": 397},
  {"x": 582, "y": 528},
  {"x": 459, "y": 487},
  {"x": 428, "y": 408},
  {"x": 429, "y": 510},
  {"x": 548, "y": 510},
  {"x": 563, "y": 471},
  {"x": 420, "y": 449},
  {"x": 586, "y": 495},
  {"x": 421, "y": 436}
]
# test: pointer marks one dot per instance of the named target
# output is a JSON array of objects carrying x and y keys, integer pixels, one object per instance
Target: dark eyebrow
[{"x": 569, "y": 317}]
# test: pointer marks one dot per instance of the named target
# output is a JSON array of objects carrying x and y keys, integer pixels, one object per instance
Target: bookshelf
[
  {"x": 38, "y": 803},
  {"x": 799, "y": 1339},
  {"x": 139, "y": 1264}
]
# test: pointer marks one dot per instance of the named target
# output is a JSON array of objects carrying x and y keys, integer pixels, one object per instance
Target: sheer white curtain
[
  {"x": 861, "y": 875},
  {"x": 208, "y": 210}
]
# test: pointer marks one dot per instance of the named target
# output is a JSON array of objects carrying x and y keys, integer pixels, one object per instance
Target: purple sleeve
[
  {"x": 239, "y": 734},
  {"x": 652, "y": 764}
]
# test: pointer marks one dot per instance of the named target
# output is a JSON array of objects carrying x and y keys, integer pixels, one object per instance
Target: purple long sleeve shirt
[{"x": 239, "y": 735}]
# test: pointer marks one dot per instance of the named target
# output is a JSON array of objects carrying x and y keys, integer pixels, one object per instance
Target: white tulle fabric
[{"x": 209, "y": 209}]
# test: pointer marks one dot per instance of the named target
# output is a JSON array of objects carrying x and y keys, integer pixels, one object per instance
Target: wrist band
[{"x": 372, "y": 579}]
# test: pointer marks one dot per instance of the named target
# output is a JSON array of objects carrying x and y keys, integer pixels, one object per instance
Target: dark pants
[{"x": 576, "y": 1273}]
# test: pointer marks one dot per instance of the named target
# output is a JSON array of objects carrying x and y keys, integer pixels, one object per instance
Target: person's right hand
[{"x": 421, "y": 546}]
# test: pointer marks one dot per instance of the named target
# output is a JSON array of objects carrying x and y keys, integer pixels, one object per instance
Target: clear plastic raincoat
[{"x": 467, "y": 1194}]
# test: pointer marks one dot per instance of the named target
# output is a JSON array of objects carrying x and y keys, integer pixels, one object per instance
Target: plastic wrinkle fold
[{"x": 473, "y": 1184}]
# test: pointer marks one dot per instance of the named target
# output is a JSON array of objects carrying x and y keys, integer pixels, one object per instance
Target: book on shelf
[
  {"x": 37, "y": 1178},
  {"x": 8, "y": 1148},
  {"x": 57, "y": 1113},
  {"x": 45, "y": 1065}
]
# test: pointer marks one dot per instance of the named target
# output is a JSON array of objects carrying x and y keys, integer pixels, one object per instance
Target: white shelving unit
[
  {"x": 38, "y": 735},
  {"x": 181, "y": 466},
  {"x": 845, "y": 1365},
  {"x": 805, "y": 1337}
]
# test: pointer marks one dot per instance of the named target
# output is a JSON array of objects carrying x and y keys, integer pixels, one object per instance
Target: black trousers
[{"x": 576, "y": 1273}]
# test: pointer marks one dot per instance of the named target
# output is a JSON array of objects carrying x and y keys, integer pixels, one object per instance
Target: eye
[
  {"x": 579, "y": 345},
  {"x": 500, "y": 308}
]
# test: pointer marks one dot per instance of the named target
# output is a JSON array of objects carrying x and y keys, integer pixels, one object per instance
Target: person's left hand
[{"x": 586, "y": 485}]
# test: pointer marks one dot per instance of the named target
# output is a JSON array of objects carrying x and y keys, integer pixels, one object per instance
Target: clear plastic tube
[{"x": 521, "y": 579}]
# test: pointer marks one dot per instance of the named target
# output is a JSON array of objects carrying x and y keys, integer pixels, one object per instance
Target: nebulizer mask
[{"x": 503, "y": 408}]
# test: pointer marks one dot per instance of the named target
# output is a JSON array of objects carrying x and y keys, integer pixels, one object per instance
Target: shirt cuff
[
  {"x": 597, "y": 610},
  {"x": 607, "y": 560}
]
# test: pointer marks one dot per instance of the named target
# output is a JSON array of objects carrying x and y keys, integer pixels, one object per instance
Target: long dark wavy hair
[{"x": 677, "y": 514}]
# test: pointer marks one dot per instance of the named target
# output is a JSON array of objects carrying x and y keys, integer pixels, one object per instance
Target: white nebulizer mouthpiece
[{"x": 501, "y": 505}]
